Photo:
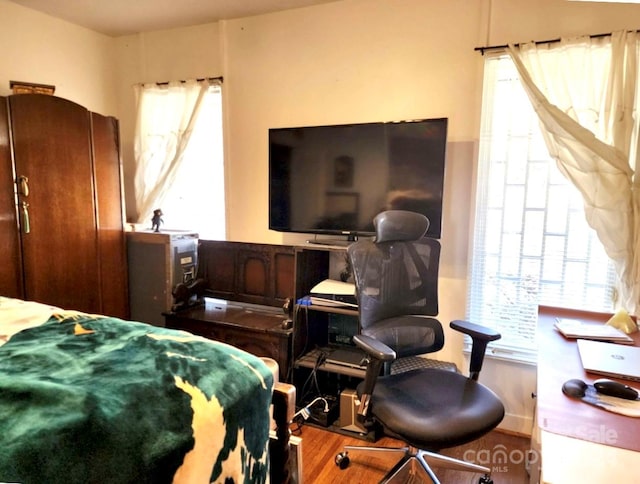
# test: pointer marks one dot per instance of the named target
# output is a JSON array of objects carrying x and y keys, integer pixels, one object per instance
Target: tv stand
[
  {"x": 331, "y": 242},
  {"x": 335, "y": 242}
]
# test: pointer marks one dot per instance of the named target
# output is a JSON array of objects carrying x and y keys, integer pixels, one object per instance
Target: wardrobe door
[
  {"x": 10, "y": 262},
  {"x": 52, "y": 147},
  {"x": 110, "y": 203}
]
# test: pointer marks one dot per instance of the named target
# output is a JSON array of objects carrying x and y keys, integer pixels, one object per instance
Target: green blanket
[{"x": 94, "y": 399}]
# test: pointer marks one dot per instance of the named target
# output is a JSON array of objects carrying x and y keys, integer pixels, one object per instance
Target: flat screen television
[{"x": 333, "y": 180}]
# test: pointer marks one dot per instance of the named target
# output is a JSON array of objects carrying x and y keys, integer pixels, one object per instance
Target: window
[
  {"x": 182, "y": 174},
  {"x": 531, "y": 244},
  {"x": 196, "y": 199}
]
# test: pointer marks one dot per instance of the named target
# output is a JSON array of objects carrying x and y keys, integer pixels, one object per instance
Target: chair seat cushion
[
  {"x": 434, "y": 409},
  {"x": 400, "y": 365}
]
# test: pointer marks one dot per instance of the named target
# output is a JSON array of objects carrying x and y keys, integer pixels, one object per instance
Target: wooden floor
[{"x": 319, "y": 448}]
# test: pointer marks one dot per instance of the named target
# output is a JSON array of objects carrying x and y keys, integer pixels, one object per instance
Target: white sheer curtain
[
  {"x": 584, "y": 91},
  {"x": 161, "y": 137}
]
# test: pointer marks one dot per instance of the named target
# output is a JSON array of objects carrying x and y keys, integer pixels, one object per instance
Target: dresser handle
[
  {"x": 23, "y": 183},
  {"x": 26, "y": 228}
]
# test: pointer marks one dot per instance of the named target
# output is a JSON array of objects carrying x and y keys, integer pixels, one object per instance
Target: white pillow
[{"x": 16, "y": 315}]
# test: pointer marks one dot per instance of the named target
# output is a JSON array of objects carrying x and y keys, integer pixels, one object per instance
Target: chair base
[{"x": 414, "y": 468}]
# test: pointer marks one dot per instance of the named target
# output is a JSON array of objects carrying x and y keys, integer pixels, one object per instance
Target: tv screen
[{"x": 335, "y": 179}]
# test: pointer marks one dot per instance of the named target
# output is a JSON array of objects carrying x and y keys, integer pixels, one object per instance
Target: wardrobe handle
[
  {"x": 23, "y": 183},
  {"x": 26, "y": 228}
]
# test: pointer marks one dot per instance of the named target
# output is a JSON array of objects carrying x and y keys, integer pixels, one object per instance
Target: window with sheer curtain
[
  {"x": 531, "y": 244},
  {"x": 179, "y": 156}
]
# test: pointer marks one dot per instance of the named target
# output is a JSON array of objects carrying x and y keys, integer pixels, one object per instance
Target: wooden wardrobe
[{"x": 62, "y": 238}]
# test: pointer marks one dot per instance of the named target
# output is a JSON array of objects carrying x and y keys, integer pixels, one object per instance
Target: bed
[{"x": 88, "y": 398}]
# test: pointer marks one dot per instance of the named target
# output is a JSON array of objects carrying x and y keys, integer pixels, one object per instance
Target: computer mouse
[
  {"x": 615, "y": 389},
  {"x": 574, "y": 388}
]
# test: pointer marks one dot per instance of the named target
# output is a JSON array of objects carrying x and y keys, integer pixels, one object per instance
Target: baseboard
[{"x": 517, "y": 424}]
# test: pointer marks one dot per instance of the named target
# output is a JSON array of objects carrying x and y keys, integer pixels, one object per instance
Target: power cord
[
  {"x": 302, "y": 415},
  {"x": 305, "y": 412},
  {"x": 312, "y": 379}
]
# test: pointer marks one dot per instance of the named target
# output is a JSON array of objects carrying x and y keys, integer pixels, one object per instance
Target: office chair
[
  {"x": 428, "y": 408},
  {"x": 379, "y": 313}
]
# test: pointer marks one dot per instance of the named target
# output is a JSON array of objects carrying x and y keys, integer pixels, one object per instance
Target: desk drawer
[{"x": 273, "y": 345}]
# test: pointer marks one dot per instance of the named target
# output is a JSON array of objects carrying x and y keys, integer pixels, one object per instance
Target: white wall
[
  {"x": 373, "y": 60},
  {"x": 348, "y": 61},
  {"x": 40, "y": 49}
]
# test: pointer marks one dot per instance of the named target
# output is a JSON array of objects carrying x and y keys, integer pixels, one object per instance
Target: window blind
[{"x": 531, "y": 242}]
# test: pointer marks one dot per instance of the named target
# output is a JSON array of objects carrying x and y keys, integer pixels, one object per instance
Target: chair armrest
[
  {"x": 377, "y": 354},
  {"x": 480, "y": 337},
  {"x": 284, "y": 407},
  {"x": 374, "y": 348}
]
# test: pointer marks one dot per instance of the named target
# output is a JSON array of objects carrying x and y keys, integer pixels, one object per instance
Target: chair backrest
[{"x": 396, "y": 277}]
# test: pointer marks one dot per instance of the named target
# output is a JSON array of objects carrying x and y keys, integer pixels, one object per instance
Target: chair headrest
[{"x": 394, "y": 225}]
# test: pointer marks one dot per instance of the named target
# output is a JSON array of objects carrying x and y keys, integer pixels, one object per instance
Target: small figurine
[{"x": 156, "y": 220}]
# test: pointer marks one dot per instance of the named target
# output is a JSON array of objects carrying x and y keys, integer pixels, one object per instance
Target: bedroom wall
[
  {"x": 42, "y": 49},
  {"x": 348, "y": 61},
  {"x": 372, "y": 60}
]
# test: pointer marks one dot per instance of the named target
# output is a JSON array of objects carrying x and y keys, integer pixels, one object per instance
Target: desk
[
  {"x": 577, "y": 442},
  {"x": 260, "y": 330}
]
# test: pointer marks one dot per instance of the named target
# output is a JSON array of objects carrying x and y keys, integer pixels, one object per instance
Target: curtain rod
[
  {"x": 537, "y": 42},
  {"x": 219, "y": 78}
]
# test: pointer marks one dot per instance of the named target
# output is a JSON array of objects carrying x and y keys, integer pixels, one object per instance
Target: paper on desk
[
  {"x": 574, "y": 328},
  {"x": 330, "y": 286}
]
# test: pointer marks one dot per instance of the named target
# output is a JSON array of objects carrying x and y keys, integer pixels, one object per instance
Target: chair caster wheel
[
  {"x": 486, "y": 479},
  {"x": 342, "y": 460}
]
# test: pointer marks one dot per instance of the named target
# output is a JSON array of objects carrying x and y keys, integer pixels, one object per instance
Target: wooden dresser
[
  {"x": 61, "y": 205},
  {"x": 260, "y": 330},
  {"x": 248, "y": 285}
]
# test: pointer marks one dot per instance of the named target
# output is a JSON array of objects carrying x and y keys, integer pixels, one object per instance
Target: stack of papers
[{"x": 574, "y": 329}]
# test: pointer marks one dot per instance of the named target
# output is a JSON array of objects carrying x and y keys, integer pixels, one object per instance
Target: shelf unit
[
  {"x": 333, "y": 310},
  {"x": 314, "y": 264},
  {"x": 317, "y": 327},
  {"x": 310, "y": 359}
]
